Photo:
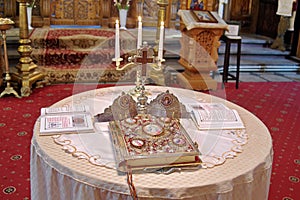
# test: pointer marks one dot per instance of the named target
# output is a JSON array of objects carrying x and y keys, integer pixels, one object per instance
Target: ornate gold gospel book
[{"x": 148, "y": 142}]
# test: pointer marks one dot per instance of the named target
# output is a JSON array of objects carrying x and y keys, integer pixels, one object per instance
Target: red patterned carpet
[{"x": 276, "y": 104}]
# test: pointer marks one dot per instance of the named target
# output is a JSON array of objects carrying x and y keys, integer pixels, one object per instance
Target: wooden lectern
[{"x": 201, "y": 31}]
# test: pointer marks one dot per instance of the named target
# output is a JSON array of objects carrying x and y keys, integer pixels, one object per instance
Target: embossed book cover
[{"x": 147, "y": 142}]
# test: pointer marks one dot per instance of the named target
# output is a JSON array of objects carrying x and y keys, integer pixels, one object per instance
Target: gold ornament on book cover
[{"x": 153, "y": 138}]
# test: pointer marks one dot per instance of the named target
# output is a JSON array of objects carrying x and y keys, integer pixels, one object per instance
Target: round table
[{"x": 56, "y": 174}]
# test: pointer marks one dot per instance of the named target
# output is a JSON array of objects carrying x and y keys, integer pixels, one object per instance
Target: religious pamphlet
[
  {"x": 64, "y": 120},
  {"x": 60, "y": 110},
  {"x": 215, "y": 116},
  {"x": 149, "y": 142}
]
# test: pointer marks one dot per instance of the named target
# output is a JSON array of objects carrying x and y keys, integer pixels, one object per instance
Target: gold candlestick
[
  {"x": 161, "y": 18},
  {"x": 5, "y": 25},
  {"x": 26, "y": 72}
]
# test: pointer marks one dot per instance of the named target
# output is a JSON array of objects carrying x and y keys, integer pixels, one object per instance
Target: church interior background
[
  {"x": 253, "y": 16},
  {"x": 256, "y": 17},
  {"x": 102, "y": 12}
]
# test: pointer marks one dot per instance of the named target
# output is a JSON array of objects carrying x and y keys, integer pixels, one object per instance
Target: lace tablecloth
[{"x": 236, "y": 164}]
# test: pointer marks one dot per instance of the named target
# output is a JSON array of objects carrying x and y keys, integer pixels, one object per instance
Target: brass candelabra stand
[
  {"x": 161, "y": 17},
  {"x": 4, "y": 26},
  {"x": 144, "y": 57},
  {"x": 26, "y": 72}
]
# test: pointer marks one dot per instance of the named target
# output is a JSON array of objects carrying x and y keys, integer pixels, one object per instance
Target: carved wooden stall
[
  {"x": 91, "y": 12},
  {"x": 77, "y": 12},
  {"x": 199, "y": 48},
  {"x": 101, "y": 12}
]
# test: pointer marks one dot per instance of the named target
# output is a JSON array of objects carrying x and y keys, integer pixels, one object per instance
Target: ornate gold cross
[
  {"x": 144, "y": 56},
  {"x": 144, "y": 59}
]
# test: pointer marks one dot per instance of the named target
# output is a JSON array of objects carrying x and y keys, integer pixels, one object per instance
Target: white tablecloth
[{"x": 56, "y": 174}]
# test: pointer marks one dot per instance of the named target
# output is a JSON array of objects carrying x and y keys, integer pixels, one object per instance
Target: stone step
[
  {"x": 263, "y": 68},
  {"x": 254, "y": 49}
]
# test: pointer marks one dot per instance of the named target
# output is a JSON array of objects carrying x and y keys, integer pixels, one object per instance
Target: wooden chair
[{"x": 231, "y": 36}]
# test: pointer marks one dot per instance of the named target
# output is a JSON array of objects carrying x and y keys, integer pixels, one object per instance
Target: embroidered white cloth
[
  {"x": 215, "y": 145},
  {"x": 59, "y": 175},
  {"x": 285, "y": 7}
]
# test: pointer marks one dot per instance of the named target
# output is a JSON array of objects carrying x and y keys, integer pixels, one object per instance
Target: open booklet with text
[
  {"x": 62, "y": 120},
  {"x": 215, "y": 116}
]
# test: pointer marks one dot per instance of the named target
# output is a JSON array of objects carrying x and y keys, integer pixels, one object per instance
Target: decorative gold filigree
[
  {"x": 167, "y": 105},
  {"x": 124, "y": 106}
]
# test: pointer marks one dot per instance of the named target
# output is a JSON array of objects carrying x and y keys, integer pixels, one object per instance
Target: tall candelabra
[
  {"x": 161, "y": 17},
  {"x": 145, "y": 57},
  {"x": 6, "y": 24},
  {"x": 27, "y": 72}
]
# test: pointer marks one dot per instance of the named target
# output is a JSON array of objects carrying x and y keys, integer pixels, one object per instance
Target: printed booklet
[
  {"x": 215, "y": 116},
  {"x": 62, "y": 120}
]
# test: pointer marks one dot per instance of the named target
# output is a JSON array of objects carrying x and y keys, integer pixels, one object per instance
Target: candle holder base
[
  {"x": 136, "y": 91},
  {"x": 9, "y": 90},
  {"x": 117, "y": 61}
]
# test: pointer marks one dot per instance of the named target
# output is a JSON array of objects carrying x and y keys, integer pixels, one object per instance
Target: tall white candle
[
  {"x": 140, "y": 33},
  {"x": 161, "y": 42},
  {"x": 117, "y": 40}
]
